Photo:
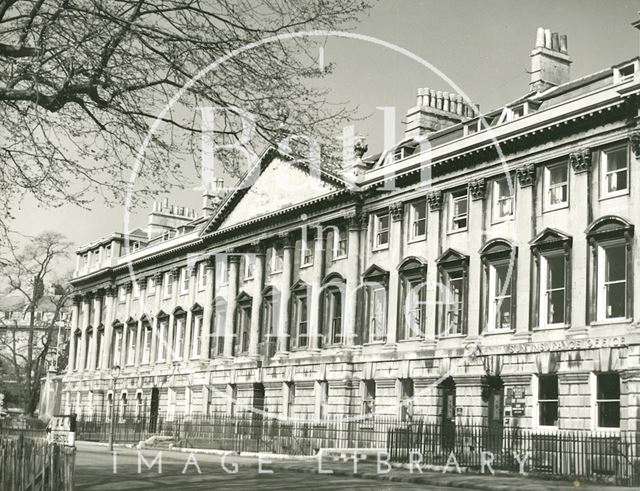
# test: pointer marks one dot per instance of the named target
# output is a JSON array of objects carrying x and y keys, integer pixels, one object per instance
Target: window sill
[
  {"x": 338, "y": 258},
  {"x": 376, "y": 343},
  {"x": 616, "y": 320},
  {"x": 606, "y": 431},
  {"x": 409, "y": 340},
  {"x": 496, "y": 332},
  {"x": 305, "y": 266},
  {"x": 549, "y": 208},
  {"x": 272, "y": 273},
  {"x": 451, "y": 336},
  {"x": 454, "y": 231},
  {"x": 615, "y": 194},
  {"x": 416, "y": 240},
  {"x": 545, "y": 429},
  {"x": 496, "y": 221},
  {"x": 384, "y": 247},
  {"x": 551, "y": 327}
]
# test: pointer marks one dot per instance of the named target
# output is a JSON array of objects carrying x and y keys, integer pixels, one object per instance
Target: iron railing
[{"x": 607, "y": 457}]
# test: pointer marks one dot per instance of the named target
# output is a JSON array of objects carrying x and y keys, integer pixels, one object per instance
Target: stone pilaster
[
  {"x": 475, "y": 230},
  {"x": 352, "y": 278},
  {"x": 86, "y": 302},
  {"x": 580, "y": 217},
  {"x": 318, "y": 273},
  {"x": 142, "y": 291},
  {"x": 396, "y": 237},
  {"x": 175, "y": 279},
  {"x": 110, "y": 298},
  {"x": 285, "y": 293},
  {"x": 193, "y": 280},
  {"x": 526, "y": 176},
  {"x": 158, "y": 277},
  {"x": 207, "y": 314},
  {"x": 232, "y": 293},
  {"x": 256, "y": 306},
  {"x": 97, "y": 310},
  {"x": 75, "y": 323}
]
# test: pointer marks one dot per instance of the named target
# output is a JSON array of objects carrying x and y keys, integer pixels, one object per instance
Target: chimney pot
[
  {"x": 540, "y": 37},
  {"x": 555, "y": 45},
  {"x": 547, "y": 38},
  {"x": 563, "y": 43}
]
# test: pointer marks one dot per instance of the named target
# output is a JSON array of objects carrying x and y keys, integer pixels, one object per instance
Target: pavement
[{"x": 95, "y": 465}]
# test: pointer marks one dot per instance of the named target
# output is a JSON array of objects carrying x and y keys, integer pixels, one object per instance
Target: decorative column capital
[
  {"x": 234, "y": 259},
  {"x": 434, "y": 198},
  {"x": 396, "y": 210},
  {"x": 287, "y": 240},
  {"x": 581, "y": 160},
  {"x": 77, "y": 299},
  {"x": 175, "y": 273},
  {"x": 634, "y": 140},
  {"x": 158, "y": 277},
  {"x": 258, "y": 247},
  {"x": 526, "y": 175},
  {"x": 210, "y": 262},
  {"x": 128, "y": 286},
  {"x": 477, "y": 188},
  {"x": 357, "y": 220}
]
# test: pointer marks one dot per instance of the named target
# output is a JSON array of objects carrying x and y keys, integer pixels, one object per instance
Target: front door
[
  {"x": 495, "y": 417},
  {"x": 448, "y": 422},
  {"x": 153, "y": 409}
]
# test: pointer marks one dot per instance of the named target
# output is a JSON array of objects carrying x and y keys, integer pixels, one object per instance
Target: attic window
[
  {"x": 471, "y": 128},
  {"x": 403, "y": 152},
  {"x": 625, "y": 72},
  {"x": 518, "y": 111}
]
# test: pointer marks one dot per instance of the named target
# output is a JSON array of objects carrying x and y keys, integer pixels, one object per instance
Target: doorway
[
  {"x": 448, "y": 418},
  {"x": 495, "y": 418},
  {"x": 153, "y": 409}
]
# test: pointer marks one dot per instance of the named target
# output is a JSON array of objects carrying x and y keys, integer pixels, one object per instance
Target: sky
[{"x": 483, "y": 47}]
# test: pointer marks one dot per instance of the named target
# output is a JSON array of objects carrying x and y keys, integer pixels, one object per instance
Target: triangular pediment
[
  {"x": 550, "y": 236},
  {"x": 273, "y": 185},
  {"x": 452, "y": 256},
  {"x": 375, "y": 272}
]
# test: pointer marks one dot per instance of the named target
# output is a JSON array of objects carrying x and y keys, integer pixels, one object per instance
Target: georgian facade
[{"x": 502, "y": 290}]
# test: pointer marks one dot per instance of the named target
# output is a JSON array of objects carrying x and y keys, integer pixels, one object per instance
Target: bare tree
[
  {"x": 26, "y": 340},
  {"x": 82, "y": 80}
]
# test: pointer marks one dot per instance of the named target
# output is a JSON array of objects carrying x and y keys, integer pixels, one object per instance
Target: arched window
[
  {"x": 77, "y": 339},
  {"x": 333, "y": 291},
  {"x": 218, "y": 327},
  {"x": 375, "y": 289},
  {"x": 116, "y": 343},
  {"x": 99, "y": 346},
  {"x": 196, "y": 330},
  {"x": 130, "y": 341},
  {"x": 179, "y": 323},
  {"x": 499, "y": 263},
  {"x": 551, "y": 253},
  {"x": 453, "y": 272},
  {"x": 413, "y": 297},
  {"x": 147, "y": 338},
  {"x": 243, "y": 325},
  {"x": 269, "y": 321},
  {"x": 300, "y": 295},
  {"x": 611, "y": 264},
  {"x": 163, "y": 330}
]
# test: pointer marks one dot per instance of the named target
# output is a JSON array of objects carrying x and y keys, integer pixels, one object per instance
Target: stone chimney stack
[
  {"x": 212, "y": 197},
  {"x": 434, "y": 111},
  {"x": 550, "y": 61}
]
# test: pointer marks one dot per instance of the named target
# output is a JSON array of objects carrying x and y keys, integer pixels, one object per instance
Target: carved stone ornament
[
  {"x": 477, "y": 188},
  {"x": 396, "y": 210},
  {"x": 581, "y": 160},
  {"x": 634, "y": 140},
  {"x": 526, "y": 175},
  {"x": 434, "y": 198},
  {"x": 357, "y": 221}
]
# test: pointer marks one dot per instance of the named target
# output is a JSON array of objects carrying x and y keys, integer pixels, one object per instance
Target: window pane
[
  {"x": 501, "y": 272},
  {"x": 555, "y": 278},
  {"x": 609, "y": 414},
  {"x": 549, "y": 413},
  {"x": 555, "y": 307},
  {"x": 608, "y": 386},
  {"x": 503, "y": 320},
  {"x": 558, "y": 175},
  {"x": 617, "y": 159},
  {"x": 616, "y": 300},
  {"x": 547, "y": 387},
  {"x": 419, "y": 211}
]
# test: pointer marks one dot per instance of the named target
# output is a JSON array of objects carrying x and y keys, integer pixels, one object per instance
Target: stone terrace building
[{"x": 502, "y": 291}]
